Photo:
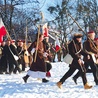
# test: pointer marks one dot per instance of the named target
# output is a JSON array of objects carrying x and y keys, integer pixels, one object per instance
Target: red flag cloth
[
  {"x": 57, "y": 45},
  {"x": 1, "y": 38},
  {"x": 2, "y": 30},
  {"x": 45, "y": 30}
]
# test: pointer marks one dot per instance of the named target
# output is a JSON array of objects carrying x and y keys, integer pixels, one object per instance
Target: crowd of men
[
  {"x": 84, "y": 54},
  {"x": 9, "y": 65}
]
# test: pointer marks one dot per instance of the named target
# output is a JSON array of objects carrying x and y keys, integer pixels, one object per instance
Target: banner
[{"x": 2, "y": 30}]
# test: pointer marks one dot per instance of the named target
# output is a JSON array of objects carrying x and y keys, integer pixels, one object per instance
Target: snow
[{"x": 12, "y": 86}]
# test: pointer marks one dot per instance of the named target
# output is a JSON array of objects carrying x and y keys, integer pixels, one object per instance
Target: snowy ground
[{"x": 12, "y": 86}]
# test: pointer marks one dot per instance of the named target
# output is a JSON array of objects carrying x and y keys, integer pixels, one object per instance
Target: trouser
[
  {"x": 48, "y": 66},
  {"x": 11, "y": 66},
  {"x": 71, "y": 71},
  {"x": 22, "y": 62},
  {"x": 3, "y": 63},
  {"x": 94, "y": 70},
  {"x": 59, "y": 56}
]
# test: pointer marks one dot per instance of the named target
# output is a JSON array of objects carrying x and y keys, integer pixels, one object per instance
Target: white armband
[{"x": 32, "y": 51}]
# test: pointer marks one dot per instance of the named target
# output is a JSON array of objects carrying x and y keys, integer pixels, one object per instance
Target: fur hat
[{"x": 78, "y": 35}]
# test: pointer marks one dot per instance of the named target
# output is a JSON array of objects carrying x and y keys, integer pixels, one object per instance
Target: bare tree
[{"x": 15, "y": 12}]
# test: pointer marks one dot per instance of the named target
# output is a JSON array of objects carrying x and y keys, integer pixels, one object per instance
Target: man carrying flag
[{"x": 2, "y": 30}]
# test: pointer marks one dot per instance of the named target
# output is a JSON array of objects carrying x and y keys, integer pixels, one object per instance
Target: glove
[
  {"x": 32, "y": 51},
  {"x": 45, "y": 54}
]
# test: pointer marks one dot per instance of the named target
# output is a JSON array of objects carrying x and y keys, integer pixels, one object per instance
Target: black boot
[
  {"x": 75, "y": 80},
  {"x": 45, "y": 80},
  {"x": 25, "y": 78}
]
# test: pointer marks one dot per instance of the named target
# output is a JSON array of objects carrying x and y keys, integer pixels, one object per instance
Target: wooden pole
[
  {"x": 8, "y": 35},
  {"x": 77, "y": 24},
  {"x": 37, "y": 43},
  {"x": 38, "y": 36},
  {"x": 14, "y": 34}
]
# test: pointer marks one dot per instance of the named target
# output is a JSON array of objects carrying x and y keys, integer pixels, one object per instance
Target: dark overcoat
[
  {"x": 76, "y": 51},
  {"x": 8, "y": 53},
  {"x": 39, "y": 65},
  {"x": 90, "y": 48}
]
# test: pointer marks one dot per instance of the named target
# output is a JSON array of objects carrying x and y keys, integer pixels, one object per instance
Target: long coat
[
  {"x": 8, "y": 53},
  {"x": 90, "y": 48},
  {"x": 39, "y": 65},
  {"x": 76, "y": 51},
  {"x": 89, "y": 45}
]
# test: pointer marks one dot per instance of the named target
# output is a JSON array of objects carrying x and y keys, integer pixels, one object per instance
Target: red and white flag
[
  {"x": 45, "y": 30},
  {"x": 2, "y": 30},
  {"x": 57, "y": 45}
]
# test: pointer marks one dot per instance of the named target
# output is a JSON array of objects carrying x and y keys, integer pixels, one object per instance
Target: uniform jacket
[
  {"x": 76, "y": 51},
  {"x": 8, "y": 53},
  {"x": 90, "y": 46}
]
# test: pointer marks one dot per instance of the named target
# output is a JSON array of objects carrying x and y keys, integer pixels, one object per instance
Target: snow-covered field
[{"x": 12, "y": 86}]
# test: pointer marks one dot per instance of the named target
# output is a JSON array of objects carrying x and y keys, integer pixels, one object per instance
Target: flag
[
  {"x": 2, "y": 30},
  {"x": 45, "y": 30},
  {"x": 57, "y": 45}
]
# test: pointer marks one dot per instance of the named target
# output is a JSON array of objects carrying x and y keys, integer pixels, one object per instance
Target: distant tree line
[
  {"x": 85, "y": 12},
  {"x": 14, "y": 14}
]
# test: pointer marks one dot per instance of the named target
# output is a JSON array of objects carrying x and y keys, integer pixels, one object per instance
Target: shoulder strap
[
  {"x": 10, "y": 50},
  {"x": 76, "y": 48},
  {"x": 20, "y": 51},
  {"x": 93, "y": 43},
  {"x": 74, "y": 45}
]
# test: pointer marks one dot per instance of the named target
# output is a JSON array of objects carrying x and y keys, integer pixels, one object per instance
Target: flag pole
[
  {"x": 42, "y": 17},
  {"x": 37, "y": 43},
  {"x": 39, "y": 27},
  {"x": 14, "y": 34},
  {"x": 8, "y": 35}
]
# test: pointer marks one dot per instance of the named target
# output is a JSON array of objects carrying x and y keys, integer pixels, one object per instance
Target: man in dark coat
[
  {"x": 21, "y": 55},
  {"x": 90, "y": 48},
  {"x": 75, "y": 50},
  {"x": 3, "y": 61},
  {"x": 1, "y": 51},
  {"x": 8, "y": 50}
]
